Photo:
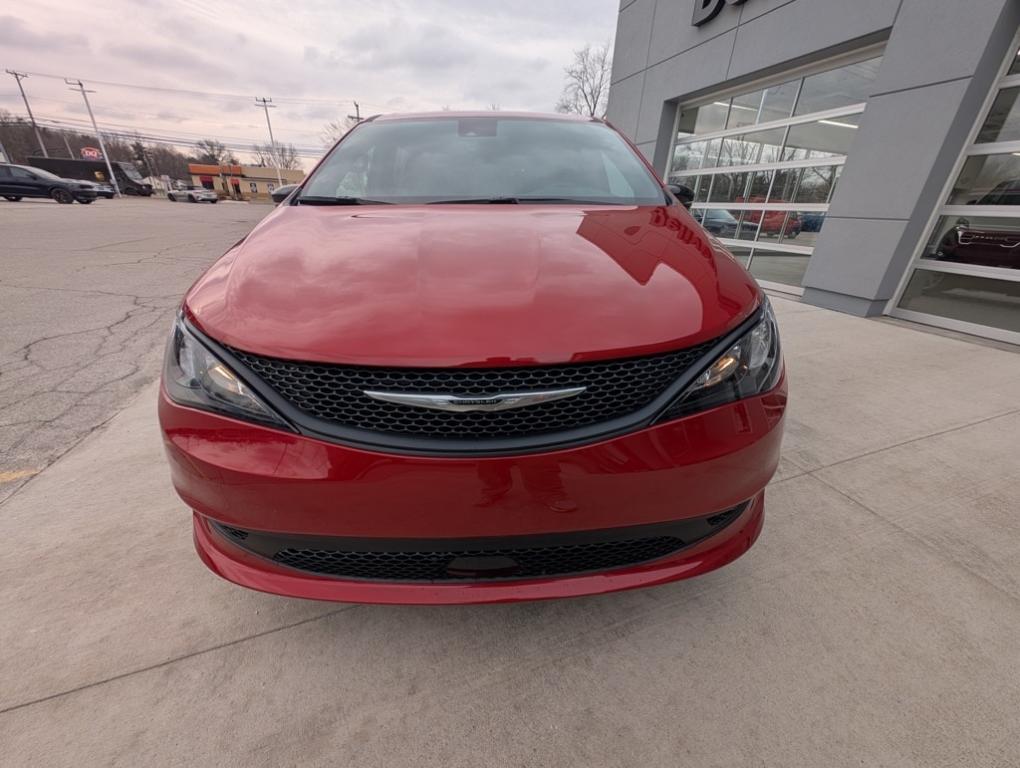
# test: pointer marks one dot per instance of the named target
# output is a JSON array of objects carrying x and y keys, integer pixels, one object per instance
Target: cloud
[
  {"x": 14, "y": 34},
  {"x": 314, "y": 58},
  {"x": 398, "y": 44},
  {"x": 165, "y": 58}
]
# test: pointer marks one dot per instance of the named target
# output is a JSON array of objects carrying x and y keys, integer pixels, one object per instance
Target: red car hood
[{"x": 471, "y": 285}]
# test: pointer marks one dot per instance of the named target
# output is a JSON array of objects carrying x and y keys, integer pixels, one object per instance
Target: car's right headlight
[
  {"x": 751, "y": 366},
  {"x": 193, "y": 376}
]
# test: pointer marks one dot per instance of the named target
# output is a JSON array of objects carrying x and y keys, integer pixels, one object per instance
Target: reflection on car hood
[{"x": 470, "y": 285}]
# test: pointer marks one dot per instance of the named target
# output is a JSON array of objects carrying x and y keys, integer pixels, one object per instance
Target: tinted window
[
  {"x": 988, "y": 180},
  {"x": 451, "y": 158},
  {"x": 744, "y": 109},
  {"x": 979, "y": 240},
  {"x": 704, "y": 119},
  {"x": 779, "y": 266},
  {"x": 752, "y": 148},
  {"x": 729, "y": 187},
  {"x": 837, "y": 87},
  {"x": 826, "y": 138},
  {"x": 1014, "y": 68},
  {"x": 969, "y": 298},
  {"x": 37, "y": 173},
  {"x": 778, "y": 103},
  {"x": 1003, "y": 121}
]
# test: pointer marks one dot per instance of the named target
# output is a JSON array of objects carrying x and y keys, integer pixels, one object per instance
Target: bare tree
[
  {"x": 334, "y": 130},
  {"x": 213, "y": 152},
  {"x": 285, "y": 155},
  {"x": 494, "y": 107},
  {"x": 587, "y": 88}
]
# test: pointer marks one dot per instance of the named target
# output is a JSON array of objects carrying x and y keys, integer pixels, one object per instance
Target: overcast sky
[{"x": 312, "y": 58}]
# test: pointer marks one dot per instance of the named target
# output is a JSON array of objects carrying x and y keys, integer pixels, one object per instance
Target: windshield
[
  {"x": 462, "y": 159},
  {"x": 41, "y": 173},
  {"x": 130, "y": 171}
]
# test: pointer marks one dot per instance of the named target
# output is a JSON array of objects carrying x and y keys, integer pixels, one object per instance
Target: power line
[
  {"x": 238, "y": 144},
  {"x": 132, "y": 128},
  {"x": 214, "y": 94}
]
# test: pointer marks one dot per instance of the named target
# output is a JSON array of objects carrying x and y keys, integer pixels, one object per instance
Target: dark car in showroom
[
  {"x": 988, "y": 243},
  {"x": 473, "y": 357},
  {"x": 19, "y": 181}
]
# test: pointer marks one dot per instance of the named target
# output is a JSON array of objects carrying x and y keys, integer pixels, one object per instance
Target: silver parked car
[{"x": 193, "y": 195}]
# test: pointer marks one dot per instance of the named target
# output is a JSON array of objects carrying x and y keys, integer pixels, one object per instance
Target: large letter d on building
[{"x": 706, "y": 10}]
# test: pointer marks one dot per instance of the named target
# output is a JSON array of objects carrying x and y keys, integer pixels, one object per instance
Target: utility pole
[
  {"x": 266, "y": 104},
  {"x": 356, "y": 117},
  {"x": 18, "y": 76},
  {"x": 76, "y": 85}
]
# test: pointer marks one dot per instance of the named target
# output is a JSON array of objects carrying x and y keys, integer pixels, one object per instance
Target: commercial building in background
[
  {"x": 242, "y": 182},
  {"x": 863, "y": 154}
]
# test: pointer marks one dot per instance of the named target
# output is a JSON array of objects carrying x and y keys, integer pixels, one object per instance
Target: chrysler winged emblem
[{"x": 461, "y": 404}]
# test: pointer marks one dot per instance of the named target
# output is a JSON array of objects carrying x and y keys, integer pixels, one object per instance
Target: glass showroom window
[
  {"x": 967, "y": 274},
  {"x": 763, "y": 164}
]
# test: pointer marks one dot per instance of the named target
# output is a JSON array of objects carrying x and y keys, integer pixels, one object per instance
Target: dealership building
[{"x": 863, "y": 154}]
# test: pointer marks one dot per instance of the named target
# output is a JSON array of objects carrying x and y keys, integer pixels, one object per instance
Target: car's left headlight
[
  {"x": 749, "y": 367},
  {"x": 193, "y": 376}
]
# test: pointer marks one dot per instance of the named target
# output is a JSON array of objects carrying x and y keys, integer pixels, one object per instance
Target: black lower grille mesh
[
  {"x": 335, "y": 393},
  {"x": 476, "y": 564},
  {"x": 528, "y": 556}
]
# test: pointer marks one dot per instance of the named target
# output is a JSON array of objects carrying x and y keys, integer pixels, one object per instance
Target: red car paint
[
  {"x": 401, "y": 285},
  {"x": 471, "y": 286}
]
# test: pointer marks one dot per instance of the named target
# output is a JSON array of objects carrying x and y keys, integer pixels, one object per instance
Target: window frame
[
  {"x": 797, "y": 74},
  {"x": 917, "y": 262}
]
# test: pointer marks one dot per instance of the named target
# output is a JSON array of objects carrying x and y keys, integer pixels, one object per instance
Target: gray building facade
[{"x": 862, "y": 153}]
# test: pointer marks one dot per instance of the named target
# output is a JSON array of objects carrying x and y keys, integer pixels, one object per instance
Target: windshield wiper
[
  {"x": 478, "y": 201},
  {"x": 342, "y": 200},
  {"x": 575, "y": 200},
  {"x": 520, "y": 200}
]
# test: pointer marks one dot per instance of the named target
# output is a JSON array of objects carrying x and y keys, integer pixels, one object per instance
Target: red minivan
[{"x": 474, "y": 357}]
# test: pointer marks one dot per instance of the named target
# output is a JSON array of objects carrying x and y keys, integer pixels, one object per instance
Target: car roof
[{"x": 489, "y": 113}]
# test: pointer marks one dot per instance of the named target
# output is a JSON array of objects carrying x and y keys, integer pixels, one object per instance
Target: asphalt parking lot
[
  {"x": 86, "y": 294},
  {"x": 875, "y": 623}
]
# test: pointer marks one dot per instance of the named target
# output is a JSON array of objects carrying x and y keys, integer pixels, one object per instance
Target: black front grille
[
  {"x": 481, "y": 559},
  {"x": 474, "y": 564},
  {"x": 335, "y": 393}
]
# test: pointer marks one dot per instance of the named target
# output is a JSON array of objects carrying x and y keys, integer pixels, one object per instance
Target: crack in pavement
[{"x": 92, "y": 347}]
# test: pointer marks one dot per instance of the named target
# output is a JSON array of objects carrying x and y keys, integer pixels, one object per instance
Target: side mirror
[
  {"x": 282, "y": 193},
  {"x": 682, "y": 193}
]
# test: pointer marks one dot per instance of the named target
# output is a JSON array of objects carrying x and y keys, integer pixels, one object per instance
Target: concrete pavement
[
  {"x": 874, "y": 624},
  {"x": 86, "y": 294}
]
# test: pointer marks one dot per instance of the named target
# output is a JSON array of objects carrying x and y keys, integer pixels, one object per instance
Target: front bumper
[{"x": 253, "y": 478}]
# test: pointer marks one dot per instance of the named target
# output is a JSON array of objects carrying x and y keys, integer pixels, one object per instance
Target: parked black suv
[{"x": 18, "y": 181}]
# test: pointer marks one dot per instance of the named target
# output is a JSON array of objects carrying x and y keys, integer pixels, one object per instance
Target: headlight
[
  {"x": 751, "y": 366},
  {"x": 193, "y": 376}
]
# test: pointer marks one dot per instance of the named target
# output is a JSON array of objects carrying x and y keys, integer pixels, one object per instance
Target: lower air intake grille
[
  {"x": 479, "y": 564},
  {"x": 530, "y": 556}
]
